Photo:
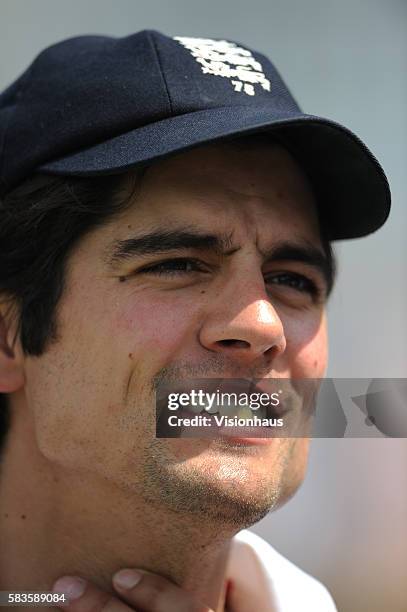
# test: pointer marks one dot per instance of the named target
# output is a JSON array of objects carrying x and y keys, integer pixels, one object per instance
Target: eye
[
  {"x": 173, "y": 267},
  {"x": 295, "y": 281}
]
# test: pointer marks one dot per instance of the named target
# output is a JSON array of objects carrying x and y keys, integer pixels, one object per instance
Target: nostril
[
  {"x": 236, "y": 343},
  {"x": 272, "y": 352}
]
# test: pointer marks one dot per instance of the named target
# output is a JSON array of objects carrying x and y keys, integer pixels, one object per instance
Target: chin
[{"x": 228, "y": 493}]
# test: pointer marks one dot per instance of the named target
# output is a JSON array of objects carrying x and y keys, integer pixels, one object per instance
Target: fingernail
[
  {"x": 71, "y": 586},
  {"x": 127, "y": 578}
]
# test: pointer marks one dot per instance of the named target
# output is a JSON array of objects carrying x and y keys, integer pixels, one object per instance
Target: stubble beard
[{"x": 225, "y": 496}]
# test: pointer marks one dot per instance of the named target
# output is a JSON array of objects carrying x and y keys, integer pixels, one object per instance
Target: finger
[
  {"x": 83, "y": 596},
  {"x": 154, "y": 593}
]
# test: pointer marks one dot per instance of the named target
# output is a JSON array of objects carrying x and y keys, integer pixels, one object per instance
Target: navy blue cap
[{"x": 95, "y": 105}]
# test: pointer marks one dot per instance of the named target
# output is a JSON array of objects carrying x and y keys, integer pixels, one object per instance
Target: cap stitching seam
[{"x": 162, "y": 73}]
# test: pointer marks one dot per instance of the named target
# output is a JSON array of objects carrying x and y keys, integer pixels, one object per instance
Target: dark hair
[{"x": 41, "y": 221}]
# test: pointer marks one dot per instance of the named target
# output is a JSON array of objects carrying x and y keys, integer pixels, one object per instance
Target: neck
[{"x": 55, "y": 522}]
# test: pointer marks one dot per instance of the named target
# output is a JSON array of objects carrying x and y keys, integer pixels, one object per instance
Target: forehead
[{"x": 243, "y": 184}]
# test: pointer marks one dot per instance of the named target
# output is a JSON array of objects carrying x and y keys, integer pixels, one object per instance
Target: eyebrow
[{"x": 163, "y": 241}]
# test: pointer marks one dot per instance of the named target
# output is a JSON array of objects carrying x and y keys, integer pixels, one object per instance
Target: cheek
[
  {"x": 156, "y": 327},
  {"x": 307, "y": 346}
]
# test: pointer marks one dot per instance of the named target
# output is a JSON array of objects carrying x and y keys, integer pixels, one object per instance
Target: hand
[{"x": 138, "y": 590}]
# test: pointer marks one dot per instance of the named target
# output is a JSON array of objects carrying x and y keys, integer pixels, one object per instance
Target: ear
[{"x": 11, "y": 357}]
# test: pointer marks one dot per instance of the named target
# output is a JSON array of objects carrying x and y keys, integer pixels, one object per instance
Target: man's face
[{"x": 183, "y": 312}]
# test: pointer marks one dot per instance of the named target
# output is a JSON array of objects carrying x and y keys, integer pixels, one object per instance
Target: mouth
[
  {"x": 233, "y": 426},
  {"x": 240, "y": 411},
  {"x": 226, "y": 407},
  {"x": 233, "y": 399}
]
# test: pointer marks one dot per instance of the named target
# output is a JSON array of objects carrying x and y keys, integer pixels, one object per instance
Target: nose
[{"x": 243, "y": 324}]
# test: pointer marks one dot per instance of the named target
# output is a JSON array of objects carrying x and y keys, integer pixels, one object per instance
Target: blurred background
[{"x": 345, "y": 60}]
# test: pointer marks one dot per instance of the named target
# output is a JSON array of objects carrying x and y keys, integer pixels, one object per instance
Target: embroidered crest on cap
[{"x": 226, "y": 59}]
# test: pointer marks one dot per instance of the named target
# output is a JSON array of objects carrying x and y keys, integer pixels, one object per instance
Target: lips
[
  {"x": 226, "y": 397},
  {"x": 289, "y": 401}
]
